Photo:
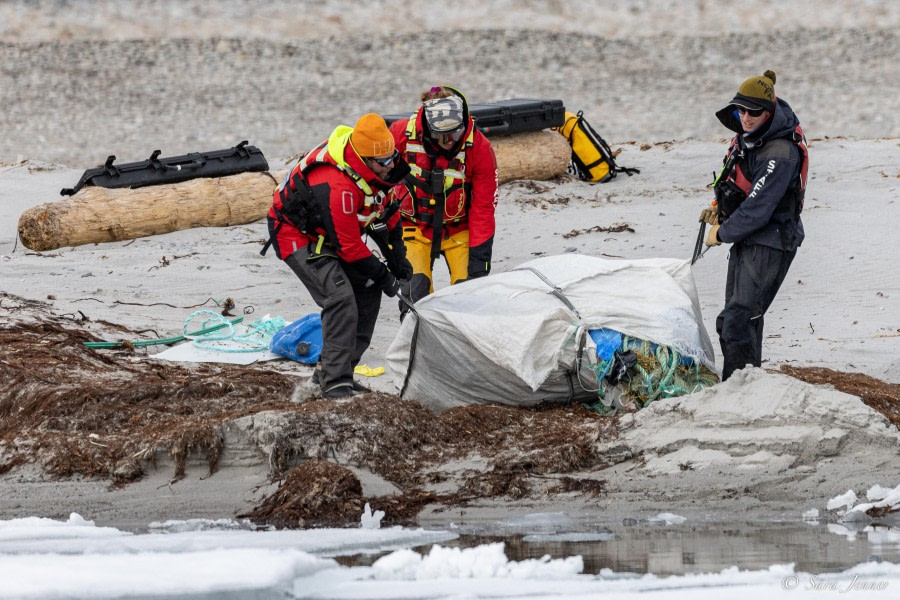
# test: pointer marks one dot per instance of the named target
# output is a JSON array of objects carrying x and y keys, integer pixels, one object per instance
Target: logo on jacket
[
  {"x": 347, "y": 203},
  {"x": 762, "y": 180}
]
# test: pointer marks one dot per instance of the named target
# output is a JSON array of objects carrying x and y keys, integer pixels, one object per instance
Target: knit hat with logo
[
  {"x": 371, "y": 137},
  {"x": 757, "y": 93}
]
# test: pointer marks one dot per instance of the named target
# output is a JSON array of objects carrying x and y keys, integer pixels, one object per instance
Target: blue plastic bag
[
  {"x": 608, "y": 341},
  {"x": 300, "y": 341}
]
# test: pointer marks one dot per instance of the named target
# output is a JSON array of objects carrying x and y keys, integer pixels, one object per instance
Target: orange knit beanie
[{"x": 371, "y": 137}]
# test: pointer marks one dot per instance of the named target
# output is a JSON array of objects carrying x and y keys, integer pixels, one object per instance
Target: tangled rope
[
  {"x": 658, "y": 372},
  {"x": 226, "y": 339},
  {"x": 662, "y": 372}
]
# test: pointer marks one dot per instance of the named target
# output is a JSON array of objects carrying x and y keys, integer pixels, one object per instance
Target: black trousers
[
  {"x": 755, "y": 273},
  {"x": 349, "y": 311}
]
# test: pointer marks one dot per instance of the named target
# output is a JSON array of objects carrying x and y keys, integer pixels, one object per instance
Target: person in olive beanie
[{"x": 759, "y": 197}]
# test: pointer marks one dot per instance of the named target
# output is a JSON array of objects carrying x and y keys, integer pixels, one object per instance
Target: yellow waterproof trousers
[{"x": 455, "y": 250}]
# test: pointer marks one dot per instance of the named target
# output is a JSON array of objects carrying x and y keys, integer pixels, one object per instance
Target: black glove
[
  {"x": 390, "y": 242},
  {"x": 392, "y": 287},
  {"x": 403, "y": 269},
  {"x": 396, "y": 254},
  {"x": 389, "y": 284},
  {"x": 480, "y": 259}
]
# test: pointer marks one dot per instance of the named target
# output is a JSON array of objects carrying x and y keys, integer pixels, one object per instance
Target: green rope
[
  {"x": 600, "y": 370},
  {"x": 161, "y": 341},
  {"x": 659, "y": 373},
  {"x": 256, "y": 339}
]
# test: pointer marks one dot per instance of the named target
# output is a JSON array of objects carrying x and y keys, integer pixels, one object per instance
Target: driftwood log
[
  {"x": 537, "y": 155},
  {"x": 99, "y": 214}
]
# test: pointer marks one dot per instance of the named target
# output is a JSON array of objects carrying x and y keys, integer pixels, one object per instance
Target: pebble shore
[{"x": 76, "y": 102}]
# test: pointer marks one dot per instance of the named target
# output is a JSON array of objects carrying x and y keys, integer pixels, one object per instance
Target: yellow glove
[
  {"x": 713, "y": 238},
  {"x": 710, "y": 215},
  {"x": 367, "y": 371}
]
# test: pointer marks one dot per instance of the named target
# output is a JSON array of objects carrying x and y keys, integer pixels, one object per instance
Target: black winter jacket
[{"x": 772, "y": 162}]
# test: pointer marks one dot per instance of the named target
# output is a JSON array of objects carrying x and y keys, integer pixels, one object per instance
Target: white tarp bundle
[{"x": 516, "y": 337}]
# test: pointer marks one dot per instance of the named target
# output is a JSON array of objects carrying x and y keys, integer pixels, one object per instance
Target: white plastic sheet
[{"x": 515, "y": 337}]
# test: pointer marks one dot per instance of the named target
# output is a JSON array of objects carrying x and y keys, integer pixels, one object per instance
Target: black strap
[
  {"x": 426, "y": 218},
  {"x": 599, "y": 141},
  {"x": 416, "y": 182},
  {"x": 388, "y": 212},
  {"x": 412, "y": 347},
  {"x": 437, "y": 227},
  {"x": 431, "y": 182},
  {"x": 698, "y": 245},
  {"x": 271, "y": 239}
]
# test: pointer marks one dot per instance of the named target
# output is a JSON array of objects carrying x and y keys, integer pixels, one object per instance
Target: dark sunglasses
[
  {"x": 448, "y": 136},
  {"x": 386, "y": 161},
  {"x": 752, "y": 113}
]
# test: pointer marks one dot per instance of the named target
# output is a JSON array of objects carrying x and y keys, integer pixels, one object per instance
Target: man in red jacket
[
  {"x": 330, "y": 197},
  {"x": 447, "y": 201}
]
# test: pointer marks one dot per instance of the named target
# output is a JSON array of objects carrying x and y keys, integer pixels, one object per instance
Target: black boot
[{"x": 341, "y": 390}]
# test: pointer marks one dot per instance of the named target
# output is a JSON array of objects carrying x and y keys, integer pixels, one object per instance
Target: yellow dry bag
[{"x": 592, "y": 160}]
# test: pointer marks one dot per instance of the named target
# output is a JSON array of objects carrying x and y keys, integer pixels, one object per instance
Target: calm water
[{"x": 686, "y": 548}]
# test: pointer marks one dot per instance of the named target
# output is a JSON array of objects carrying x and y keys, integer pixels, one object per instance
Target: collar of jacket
[{"x": 345, "y": 156}]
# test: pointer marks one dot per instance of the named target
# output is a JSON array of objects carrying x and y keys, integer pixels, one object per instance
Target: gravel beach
[
  {"x": 83, "y": 80},
  {"x": 79, "y": 83}
]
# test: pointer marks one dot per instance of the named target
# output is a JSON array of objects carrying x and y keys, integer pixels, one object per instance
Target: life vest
[
  {"x": 330, "y": 152},
  {"x": 732, "y": 188},
  {"x": 431, "y": 188},
  {"x": 296, "y": 203}
]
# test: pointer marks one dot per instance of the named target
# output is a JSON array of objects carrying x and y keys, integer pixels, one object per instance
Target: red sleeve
[
  {"x": 344, "y": 202},
  {"x": 481, "y": 166}
]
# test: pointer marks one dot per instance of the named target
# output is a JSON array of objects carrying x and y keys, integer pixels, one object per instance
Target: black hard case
[
  {"x": 511, "y": 116},
  {"x": 174, "y": 169}
]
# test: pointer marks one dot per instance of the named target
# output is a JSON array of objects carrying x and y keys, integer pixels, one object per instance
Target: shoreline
[
  {"x": 760, "y": 445},
  {"x": 653, "y": 97}
]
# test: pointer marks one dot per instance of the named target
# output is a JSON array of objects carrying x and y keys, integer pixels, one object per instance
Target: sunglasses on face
[
  {"x": 449, "y": 136},
  {"x": 752, "y": 113},
  {"x": 386, "y": 161}
]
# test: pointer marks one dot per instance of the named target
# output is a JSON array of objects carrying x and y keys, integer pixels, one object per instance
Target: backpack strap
[{"x": 609, "y": 156}]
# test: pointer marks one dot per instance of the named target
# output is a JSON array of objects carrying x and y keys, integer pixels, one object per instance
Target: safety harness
[
  {"x": 732, "y": 186},
  {"x": 435, "y": 191},
  {"x": 299, "y": 206}
]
